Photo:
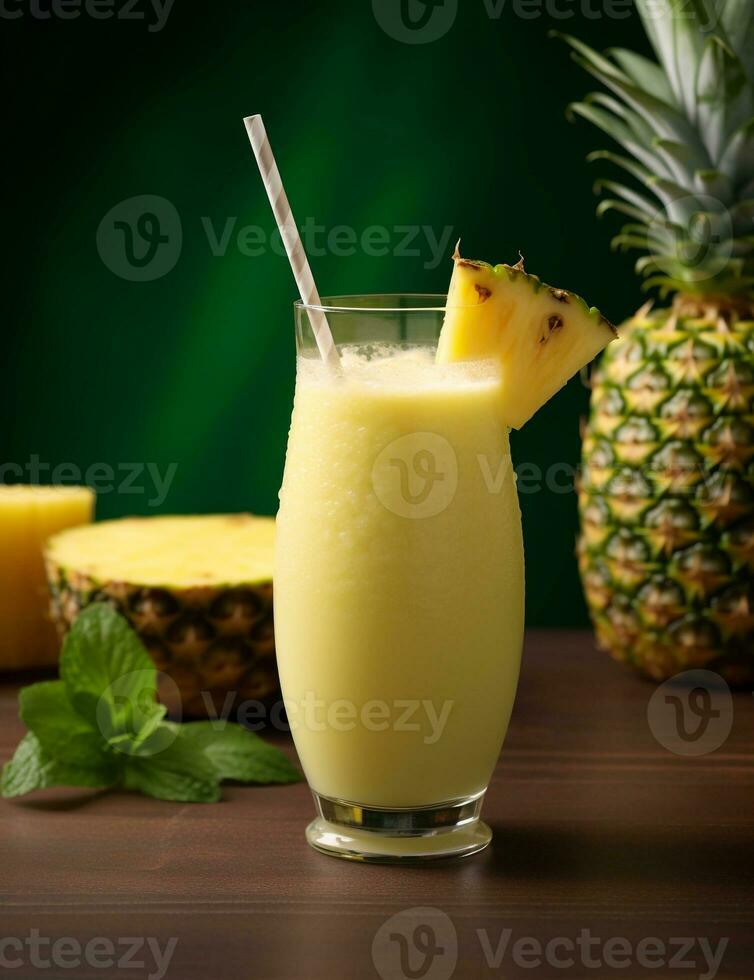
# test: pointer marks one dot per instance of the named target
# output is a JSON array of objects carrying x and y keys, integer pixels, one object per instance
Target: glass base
[{"x": 385, "y": 836}]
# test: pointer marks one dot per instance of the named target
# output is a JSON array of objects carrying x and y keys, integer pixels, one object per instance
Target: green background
[{"x": 196, "y": 367}]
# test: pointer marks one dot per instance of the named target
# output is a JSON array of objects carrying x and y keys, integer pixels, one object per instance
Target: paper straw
[{"x": 302, "y": 273}]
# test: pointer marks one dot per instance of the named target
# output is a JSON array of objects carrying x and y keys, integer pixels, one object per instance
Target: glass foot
[{"x": 376, "y": 834}]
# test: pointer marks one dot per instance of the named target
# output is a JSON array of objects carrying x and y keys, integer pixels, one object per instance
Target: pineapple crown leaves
[{"x": 686, "y": 124}]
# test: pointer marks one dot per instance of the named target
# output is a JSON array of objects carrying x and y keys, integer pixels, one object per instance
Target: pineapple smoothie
[
  {"x": 399, "y": 577},
  {"x": 399, "y": 570}
]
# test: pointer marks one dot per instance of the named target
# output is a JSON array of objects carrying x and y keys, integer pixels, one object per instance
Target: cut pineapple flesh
[
  {"x": 541, "y": 336},
  {"x": 28, "y": 516},
  {"x": 171, "y": 552}
]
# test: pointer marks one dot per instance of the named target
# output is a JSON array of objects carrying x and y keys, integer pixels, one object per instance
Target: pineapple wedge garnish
[{"x": 540, "y": 335}]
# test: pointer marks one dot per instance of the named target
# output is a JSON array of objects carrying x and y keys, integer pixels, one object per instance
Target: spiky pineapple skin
[
  {"x": 216, "y": 645},
  {"x": 666, "y": 499}
]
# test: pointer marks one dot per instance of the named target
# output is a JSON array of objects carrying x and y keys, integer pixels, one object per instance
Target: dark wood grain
[{"x": 597, "y": 827}]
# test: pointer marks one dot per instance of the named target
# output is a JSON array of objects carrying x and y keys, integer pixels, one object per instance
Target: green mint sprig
[{"x": 101, "y": 725}]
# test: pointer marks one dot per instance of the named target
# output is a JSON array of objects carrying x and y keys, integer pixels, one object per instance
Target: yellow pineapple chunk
[
  {"x": 28, "y": 516},
  {"x": 206, "y": 551},
  {"x": 541, "y": 336}
]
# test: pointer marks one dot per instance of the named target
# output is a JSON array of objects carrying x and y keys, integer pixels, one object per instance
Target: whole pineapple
[{"x": 667, "y": 494}]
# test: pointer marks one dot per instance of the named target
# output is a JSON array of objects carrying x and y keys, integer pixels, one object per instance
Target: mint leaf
[
  {"x": 179, "y": 772},
  {"x": 46, "y": 711},
  {"x": 101, "y": 725},
  {"x": 239, "y": 754},
  {"x": 33, "y": 768},
  {"x": 109, "y": 676}
]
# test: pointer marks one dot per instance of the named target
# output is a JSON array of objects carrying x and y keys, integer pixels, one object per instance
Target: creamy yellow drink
[
  {"x": 399, "y": 571},
  {"x": 399, "y": 577}
]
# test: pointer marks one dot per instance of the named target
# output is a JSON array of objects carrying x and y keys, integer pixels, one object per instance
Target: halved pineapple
[
  {"x": 542, "y": 336},
  {"x": 198, "y": 590}
]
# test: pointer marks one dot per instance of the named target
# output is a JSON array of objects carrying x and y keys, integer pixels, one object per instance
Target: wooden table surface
[{"x": 600, "y": 832}]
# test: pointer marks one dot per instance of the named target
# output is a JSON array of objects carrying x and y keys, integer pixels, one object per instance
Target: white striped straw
[{"x": 302, "y": 273}]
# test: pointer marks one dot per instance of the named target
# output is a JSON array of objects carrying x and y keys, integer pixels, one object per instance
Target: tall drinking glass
[{"x": 399, "y": 583}]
